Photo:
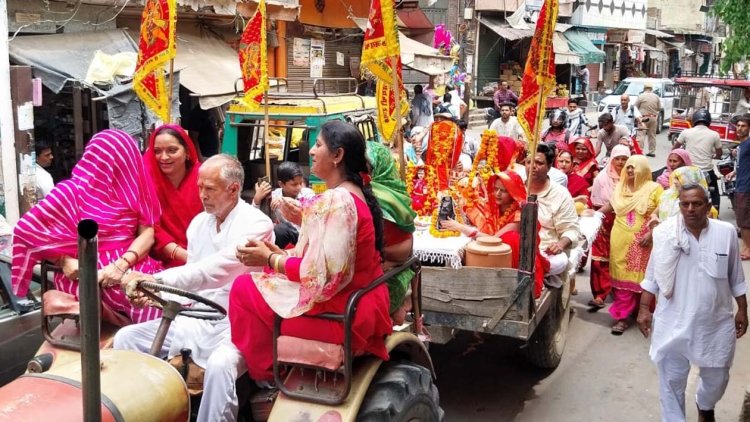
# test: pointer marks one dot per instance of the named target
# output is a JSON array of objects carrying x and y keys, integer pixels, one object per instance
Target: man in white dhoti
[
  {"x": 695, "y": 270},
  {"x": 213, "y": 237}
]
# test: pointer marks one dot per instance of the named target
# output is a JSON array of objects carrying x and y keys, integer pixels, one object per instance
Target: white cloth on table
[
  {"x": 446, "y": 250},
  {"x": 211, "y": 268},
  {"x": 673, "y": 374},
  {"x": 697, "y": 321}
]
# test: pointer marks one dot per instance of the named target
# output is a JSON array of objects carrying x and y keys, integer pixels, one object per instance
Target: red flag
[
  {"x": 254, "y": 57},
  {"x": 156, "y": 47},
  {"x": 381, "y": 54},
  {"x": 539, "y": 74}
]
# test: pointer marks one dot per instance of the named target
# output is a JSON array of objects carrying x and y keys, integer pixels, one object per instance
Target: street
[{"x": 601, "y": 377}]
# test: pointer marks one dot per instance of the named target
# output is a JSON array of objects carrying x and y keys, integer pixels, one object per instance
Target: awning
[
  {"x": 414, "y": 18},
  {"x": 580, "y": 43},
  {"x": 563, "y": 55},
  {"x": 417, "y": 56},
  {"x": 58, "y": 58},
  {"x": 500, "y": 27},
  {"x": 658, "y": 34}
]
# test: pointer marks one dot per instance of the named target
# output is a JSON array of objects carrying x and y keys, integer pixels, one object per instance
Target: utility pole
[{"x": 7, "y": 125}]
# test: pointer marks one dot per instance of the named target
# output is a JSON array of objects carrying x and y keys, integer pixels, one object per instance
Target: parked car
[{"x": 663, "y": 87}]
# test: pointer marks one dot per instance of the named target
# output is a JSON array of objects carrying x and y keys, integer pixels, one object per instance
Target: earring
[{"x": 335, "y": 163}]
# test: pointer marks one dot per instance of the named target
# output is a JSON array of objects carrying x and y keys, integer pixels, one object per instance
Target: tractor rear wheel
[
  {"x": 546, "y": 346},
  {"x": 401, "y": 391}
]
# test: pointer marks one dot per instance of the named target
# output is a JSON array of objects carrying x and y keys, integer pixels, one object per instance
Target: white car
[{"x": 663, "y": 87}]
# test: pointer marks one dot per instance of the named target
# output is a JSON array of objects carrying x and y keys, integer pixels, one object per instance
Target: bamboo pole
[
  {"x": 537, "y": 136},
  {"x": 171, "y": 89},
  {"x": 398, "y": 138},
  {"x": 266, "y": 147}
]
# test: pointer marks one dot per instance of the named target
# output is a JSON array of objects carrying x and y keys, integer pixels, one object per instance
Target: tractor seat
[
  {"x": 57, "y": 303},
  {"x": 312, "y": 353}
]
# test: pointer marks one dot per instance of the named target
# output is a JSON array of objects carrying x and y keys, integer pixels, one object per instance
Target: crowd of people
[{"x": 166, "y": 217}]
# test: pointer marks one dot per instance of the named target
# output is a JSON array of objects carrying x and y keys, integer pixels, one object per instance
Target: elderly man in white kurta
[
  {"x": 695, "y": 271},
  {"x": 213, "y": 237}
]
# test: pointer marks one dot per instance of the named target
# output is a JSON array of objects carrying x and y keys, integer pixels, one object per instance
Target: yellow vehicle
[{"x": 294, "y": 124}]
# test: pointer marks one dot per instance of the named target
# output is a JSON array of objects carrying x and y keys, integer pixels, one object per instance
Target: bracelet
[
  {"x": 174, "y": 252},
  {"x": 268, "y": 261},
  {"x": 124, "y": 258},
  {"x": 137, "y": 255},
  {"x": 276, "y": 264},
  {"x": 118, "y": 267}
]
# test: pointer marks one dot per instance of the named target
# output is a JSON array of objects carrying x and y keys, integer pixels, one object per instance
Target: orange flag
[
  {"x": 254, "y": 57},
  {"x": 381, "y": 54},
  {"x": 538, "y": 75},
  {"x": 156, "y": 47}
]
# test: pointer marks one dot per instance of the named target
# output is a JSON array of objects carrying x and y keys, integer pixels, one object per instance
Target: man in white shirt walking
[
  {"x": 212, "y": 266},
  {"x": 44, "y": 157},
  {"x": 627, "y": 114},
  {"x": 695, "y": 274}
]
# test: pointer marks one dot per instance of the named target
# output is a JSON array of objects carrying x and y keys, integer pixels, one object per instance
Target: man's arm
[
  {"x": 220, "y": 268},
  {"x": 679, "y": 142},
  {"x": 649, "y": 291},
  {"x": 717, "y": 147},
  {"x": 739, "y": 288},
  {"x": 496, "y": 99},
  {"x": 566, "y": 222}
]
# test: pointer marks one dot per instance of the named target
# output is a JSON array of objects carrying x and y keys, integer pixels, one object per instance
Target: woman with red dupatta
[
  {"x": 110, "y": 186},
  {"x": 339, "y": 251},
  {"x": 584, "y": 159},
  {"x": 172, "y": 162},
  {"x": 601, "y": 193},
  {"x": 502, "y": 218},
  {"x": 577, "y": 186}
]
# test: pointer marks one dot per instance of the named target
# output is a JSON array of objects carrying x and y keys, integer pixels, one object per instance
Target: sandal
[
  {"x": 620, "y": 327},
  {"x": 597, "y": 303}
]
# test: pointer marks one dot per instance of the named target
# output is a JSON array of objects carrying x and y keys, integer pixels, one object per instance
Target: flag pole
[
  {"x": 538, "y": 136},
  {"x": 266, "y": 136},
  {"x": 171, "y": 89},
  {"x": 399, "y": 139}
]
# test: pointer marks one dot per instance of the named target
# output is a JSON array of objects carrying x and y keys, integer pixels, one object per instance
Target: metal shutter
[{"x": 351, "y": 46}]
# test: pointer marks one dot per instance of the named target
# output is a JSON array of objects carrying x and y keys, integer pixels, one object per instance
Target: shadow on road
[{"x": 466, "y": 364}]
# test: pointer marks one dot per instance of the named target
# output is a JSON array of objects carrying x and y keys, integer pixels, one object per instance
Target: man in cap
[{"x": 649, "y": 105}]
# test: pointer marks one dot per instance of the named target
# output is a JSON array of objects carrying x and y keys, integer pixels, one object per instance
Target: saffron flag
[
  {"x": 254, "y": 57},
  {"x": 381, "y": 56},
  {"x": 156, "y": 47},
  {"x": 539, "y": 74}
]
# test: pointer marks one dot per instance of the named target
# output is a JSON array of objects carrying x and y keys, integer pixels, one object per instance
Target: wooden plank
[{"x": 470, "y": 291}]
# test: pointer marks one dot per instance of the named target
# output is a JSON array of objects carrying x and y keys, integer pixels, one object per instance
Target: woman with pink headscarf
[
  {"x": 677, "y": 158},
  {"x": 110, "y": 186},
  {"x": 601, "y": 193}
]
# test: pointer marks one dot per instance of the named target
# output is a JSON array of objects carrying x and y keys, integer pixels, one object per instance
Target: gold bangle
[{"x": 276, "y": 263}]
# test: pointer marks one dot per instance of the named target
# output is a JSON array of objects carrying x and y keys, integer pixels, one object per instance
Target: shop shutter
[
  {"x": 490, "y": 50},
  {"x": 350, "y": 46}
]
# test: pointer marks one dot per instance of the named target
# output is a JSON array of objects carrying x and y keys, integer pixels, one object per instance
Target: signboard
[
  {"x": 301, "y": 52},
  {"x": 617, "y": 36},
  {"x": 317, "y": 58}
]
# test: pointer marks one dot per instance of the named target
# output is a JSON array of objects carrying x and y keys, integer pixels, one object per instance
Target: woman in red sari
[
  {"x": 584, "y": 159},
  {"x": 502, "y": 218},
  {"x": 172, "y": 162},
  {"x": 110, "y": 186},
  {"x": 339, "y": 252},
  {"x": 577, "y": 186}
]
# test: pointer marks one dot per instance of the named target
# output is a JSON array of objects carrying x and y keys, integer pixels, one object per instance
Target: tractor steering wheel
[{"x": 213, "y": 311}]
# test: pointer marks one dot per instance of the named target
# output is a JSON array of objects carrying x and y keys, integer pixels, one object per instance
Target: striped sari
[{"x": 110, "y": 186}]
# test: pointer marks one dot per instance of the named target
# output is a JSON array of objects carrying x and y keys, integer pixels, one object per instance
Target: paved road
[{"x": 601, "y": 377}]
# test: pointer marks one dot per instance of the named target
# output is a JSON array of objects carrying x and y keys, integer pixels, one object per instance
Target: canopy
[
  {"x": 580, "y": 43},
  {"x": 517, "y": 32},
  {"x": 563, "y": 55},
  {"x": 58, "y": 58}
]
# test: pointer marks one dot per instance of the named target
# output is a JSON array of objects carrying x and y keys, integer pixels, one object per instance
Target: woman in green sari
[{"x": 398, "y": 221}]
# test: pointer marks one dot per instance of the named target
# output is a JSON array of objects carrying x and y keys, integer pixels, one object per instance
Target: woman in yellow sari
[{"x": 635, "y": 198}]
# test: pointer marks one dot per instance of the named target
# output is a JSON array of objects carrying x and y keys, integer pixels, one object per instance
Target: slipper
[
  {"x": 597, "y": 303},
  {"x": 574, "y": 292},
  {"x": 745, "y": 257},
  {"x": 619, "y": 328}
]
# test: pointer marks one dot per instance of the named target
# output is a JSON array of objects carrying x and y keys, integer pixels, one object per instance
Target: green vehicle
[{"x": 294, "y": 123}]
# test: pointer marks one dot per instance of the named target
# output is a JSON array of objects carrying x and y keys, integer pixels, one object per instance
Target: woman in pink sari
[
  {"x": 339, "y": 251},
  {"x": 677, "y": 158},
  {"x": 109, "y": 185}
]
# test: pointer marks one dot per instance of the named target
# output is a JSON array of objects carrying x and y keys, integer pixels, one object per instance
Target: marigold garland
[
  {"x": 431, "y": 178},
  {"x": 440, "y": 151}
]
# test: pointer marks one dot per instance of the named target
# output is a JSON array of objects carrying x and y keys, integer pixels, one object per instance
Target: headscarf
[
  {"x": 605, "y": 181},
  {"x": 327, "y": 238},
  {"x": 583, "y": 168},
  {"x": 625, "y": 200},
  {"x": 663, "y": 178},
  {"x": 672, "y": 241},
  {"x": 109, "y": 185},
  {"x": 179, "y": 204},
  {"x": 669, "y": 203},
  {"x": 516, "y": 189},
  {"x": 388, "y": 187}
]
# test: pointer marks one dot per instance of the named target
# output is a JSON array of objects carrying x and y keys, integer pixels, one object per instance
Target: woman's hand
[
  {"x": 451, "y": 225},
  {"x": 292, "y": 211},
  {"x": 112, "y": 273},
  {"x": 273, "y": 248},
  {"x": 646, "y": 241},
  {"x": 70, "y": 268},
  {"x": 254, "y": 253},
  {"x": 275, "y": 203}
]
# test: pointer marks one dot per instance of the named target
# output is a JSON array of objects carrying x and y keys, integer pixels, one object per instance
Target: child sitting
[{"x": 291, "y": 190}]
